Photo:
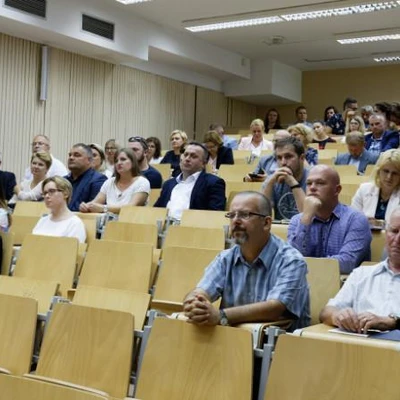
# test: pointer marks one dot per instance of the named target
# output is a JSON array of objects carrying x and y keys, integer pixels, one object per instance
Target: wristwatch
[
  {"x": 223, "y": 319},
  {"x": 105, "y": 208},
  {"x": 396, "y": 319}
]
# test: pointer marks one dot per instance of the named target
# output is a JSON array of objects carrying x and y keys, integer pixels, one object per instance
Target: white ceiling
[{"x": 307, "y": 45}]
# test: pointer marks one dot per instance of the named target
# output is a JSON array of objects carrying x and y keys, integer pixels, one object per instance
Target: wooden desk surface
[{"x": 321, "y": 331}]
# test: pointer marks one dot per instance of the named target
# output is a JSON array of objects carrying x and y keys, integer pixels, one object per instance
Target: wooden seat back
[
  {"x": 324, "y": 280},
  {"x": 118, "y": 265},
  {"x": 234, "y": 173},
  {"x": 21, "y": 227},
  {"x": 135, "y": 303},
  {"x": 133, "y": 233},
  {"x": 88, "y": 346},
  {"x": 196, "y": 363},
  {"x": 204, "y": 219},
  {"x": 205, "y": 238},
  {"x": 30, "y": 208},
  {"x": 17, "y": 333},
  {"x": 164, "y": 170},
  {"x": 48, "y": 258},
  {"x": 143, "y": 215}
]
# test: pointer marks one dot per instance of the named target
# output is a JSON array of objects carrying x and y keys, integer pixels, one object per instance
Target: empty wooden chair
[
  {"x": 18, "y": 388},
  {"x": 324, "y": 280},
  {"x": 90, "y": 347},
  {"x": 327, "y": 369},
  {"x": 17, "y": 333},
  {"x": 133, "y": 233},
  {"x": 118, "y": 265},
  {"x": 204, "y": 219},
  {"x": 181, "y": 270},
  {"x": 205, "y": 238},
  {"x": 184, "y": 361},
  {"x": 234, "y": 173},
  {"x": 39, "y": 290},
  {"x": 30, "y": 208},
  {"x": 129, "y": 301},
  {"x": 48, "y": 258},
  {"x": 143, "y": 215}
]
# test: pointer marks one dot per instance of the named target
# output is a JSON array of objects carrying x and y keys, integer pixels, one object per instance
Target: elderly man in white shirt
[
  {"x": 42, "y": 143},
  {"x": 370, "y": 298}
]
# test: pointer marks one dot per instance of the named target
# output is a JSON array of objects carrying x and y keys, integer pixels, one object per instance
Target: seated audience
[
  {"x": 267, "y": 165},
  {"x": 320, "y": 135},
  {"x": 395, "y": 116},
  {"x": 40, "y": 144},
  {"x": 327, "y": 228},
  {"x": 31, "y": 189},
  {"x": 218, "y": 153},
  {"x": 383, "y": 108},
  {"x": 301, "y": 116},
  {"x": 366, "y": 112},
  {"x": 61, "y": 221},
  {"x": 272, "y": 120},
  {"x": 154, "y": 150},
  {"x": 378, "y": 199},
  {"x": 285, "y": 188},
  {"x": 227, "y": 141},
  {"x": 370, "y": 297},
  {"x": 85, "y": 181},
  {"x": 305, "y": 135},
  {"x": 380, "y": 139},
  {"x": 278, "y": 286},
  {"x": 99, "y": 160},
  {"x": 337, "y": 122},
  {"x": 7, "y": 182},
  {"x": 110, "y": 148},
  {"x": 178, "y": 142},
  {"x": 128, "y": 186},
  {"x": 357, "y": 154},
  {"x": 329, "y": 112},
  {"x": 355, "y": 124},
  {"x": 5, "y": 218},
  {"x": 255, "y": 143},
  {"x": 193, "y": 188},
  {"x": 140, "y": 147}
]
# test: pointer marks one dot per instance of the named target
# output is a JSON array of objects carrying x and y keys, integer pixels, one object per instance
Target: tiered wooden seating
[
  {"x": 233, "y": 188},
  {"x": 17, "y": 333},
  {"x": 164, "y": 170},
  {"x": 30, "y": 208},
  {"x": 324, "y": 280},
  {"x": 234, "y": 173},
  {"x": 327, "y": 154},
  {"x": 17, "y": 388},
  {"x": 196, "y": 363},
  {"x": 48, "y": 258},
  {"x": 181, "y": 270},
  {"x": 340, "y": 147},
  {"x": 344, "y": 170},
  {"x": 327, "y": 369},
  {"x": 90, "y": 347},
  {"x": 205, "y": 238},
  {"x": 204, "y": 219},
  {"x": 133, "y": 233},
  {"x": 143, "y": 215},
  {"x": 153, "y": 197},
  {"x": 280, "y": 230},
  {"x": 22, "y": 226}
]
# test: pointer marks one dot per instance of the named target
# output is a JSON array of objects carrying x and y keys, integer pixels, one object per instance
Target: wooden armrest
[
  {"x": 5, "y": 371},
  {"x": 64, "y": 383},
  {"x": 168, "y": 307}
]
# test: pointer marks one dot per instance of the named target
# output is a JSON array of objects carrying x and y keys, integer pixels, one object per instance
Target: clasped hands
[
  {"x": 91, "y": 207},
  {"x": 200, "y": 311}
]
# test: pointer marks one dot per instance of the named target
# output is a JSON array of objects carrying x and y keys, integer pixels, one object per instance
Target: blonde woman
[
  {"x": 178, "y": 141},
  {"x": 111, "y": 147},
  {"x": 305, "y": 135},
  {"x": 355, "y": 123},
  {"x": 256, "y": 143},
  {"x": 378, "y": 199},
  {"x": 31, "y": 189}
]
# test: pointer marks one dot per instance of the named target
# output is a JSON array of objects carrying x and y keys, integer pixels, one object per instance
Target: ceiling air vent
[
  {"x": 34, "y": 7},
  {"x": 98, "y": 27}
]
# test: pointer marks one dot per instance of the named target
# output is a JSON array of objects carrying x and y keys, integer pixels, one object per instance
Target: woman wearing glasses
[
  {"x": 154, "y": 150},
  {"x": 127, "y": 187},
  {"x": 110, "y": 148},
  {"x": 219, "y": 154},
  {"x": 61, "y": 221}
]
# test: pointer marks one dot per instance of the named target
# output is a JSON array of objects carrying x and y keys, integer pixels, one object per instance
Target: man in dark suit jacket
[
  {"x": 7, "y": 180},
  {"x": 357, "y": 154},
  {"x": 193, "y": 188},
  {"x": 380, "y": 139}
]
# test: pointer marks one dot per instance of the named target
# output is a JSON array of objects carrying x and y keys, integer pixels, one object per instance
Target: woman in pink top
[{"x": 256, "y": 143}]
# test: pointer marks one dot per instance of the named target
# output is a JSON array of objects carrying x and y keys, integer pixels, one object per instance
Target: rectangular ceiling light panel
[
  {"x": 387, "y": 59},
  {"x": 131, "y": 1},
  {"x": 369, "y": 39}
]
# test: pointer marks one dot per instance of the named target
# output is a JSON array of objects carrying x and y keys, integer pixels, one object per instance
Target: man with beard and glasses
[{"x": 261, "y": 278}]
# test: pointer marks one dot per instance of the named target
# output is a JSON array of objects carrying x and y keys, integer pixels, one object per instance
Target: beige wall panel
[
  {"x": 211, "y": 107},
  {"x": 21, "y": 112},
  {"x": 241, "y": 114}
]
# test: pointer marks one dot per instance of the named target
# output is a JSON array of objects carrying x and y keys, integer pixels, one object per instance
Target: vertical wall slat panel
[{"x": 242, "y": 114}]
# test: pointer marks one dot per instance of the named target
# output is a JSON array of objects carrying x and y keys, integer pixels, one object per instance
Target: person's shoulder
[
  {"x": 98, "y": 176},
  {"x": 285, "y": 252},
  {"x": 348, "y": 213},
  {"x": 210, "y": 178}
]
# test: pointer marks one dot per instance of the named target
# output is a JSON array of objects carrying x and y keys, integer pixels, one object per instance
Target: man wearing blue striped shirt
[{"x": 261, "y": 278}]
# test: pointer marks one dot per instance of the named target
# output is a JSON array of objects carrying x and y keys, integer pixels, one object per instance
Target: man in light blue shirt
[
  {"x": 261, "y": 278},
  {"x": 227, "y": 141},
  {"x": 370, "y": 297},
  {"x": 327, "y": 228}
]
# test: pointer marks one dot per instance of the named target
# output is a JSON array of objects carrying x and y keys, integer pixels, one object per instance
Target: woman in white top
[
  {"x": 127, "y": 187},
  {"x": 379, "y": 198},
  {"x": 99, "y": 160},
  {"x": 61, "y": 221},
  {"x": 31, "y": 189},
  {"x": 256, "y": 143}
]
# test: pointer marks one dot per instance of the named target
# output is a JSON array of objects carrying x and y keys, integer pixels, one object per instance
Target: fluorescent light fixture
[
  {"x": 315, "y": 14},
  {"x": 387, "y": 59},
  {"x": 131, "y": 1},
  {"x": 369, "y": 39},
  {"x": 342, "y": 11},
  {"x": 234, "y": 24}
]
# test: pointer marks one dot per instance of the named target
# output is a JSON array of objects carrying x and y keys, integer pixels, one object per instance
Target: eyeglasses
[
  {"x": 245, "y": 215},
  {"x": 110, "y": 148},
  {"x": 139, "y": 139},
  {"x": 51, "y": 192},
  {"x": 39, "y": 144}
]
